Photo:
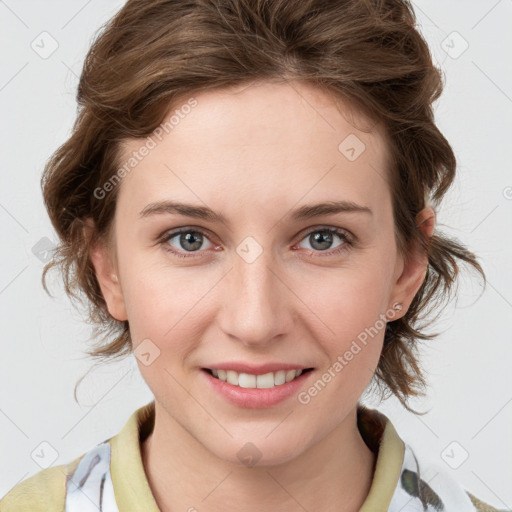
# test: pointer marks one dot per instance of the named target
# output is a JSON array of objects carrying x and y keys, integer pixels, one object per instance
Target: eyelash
[{"x": 348, "y": 241}]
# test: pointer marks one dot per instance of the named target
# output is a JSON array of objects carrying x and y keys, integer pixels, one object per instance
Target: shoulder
[
  {"x": 426, "y": 484},
  {"x": 73, "y": 486},
  {"x": 43, "y": 492}
]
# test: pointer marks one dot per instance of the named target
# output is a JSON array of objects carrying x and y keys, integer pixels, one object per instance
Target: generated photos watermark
[
  {"x": 151, "y": 142},
  {"x": 304, "y": 397}
]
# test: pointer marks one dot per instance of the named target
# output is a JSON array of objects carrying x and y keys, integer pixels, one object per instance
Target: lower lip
[{"x": 256, "y": 398}]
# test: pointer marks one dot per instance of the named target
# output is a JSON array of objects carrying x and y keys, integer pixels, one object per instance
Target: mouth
[{"x": 251, "y": 381}]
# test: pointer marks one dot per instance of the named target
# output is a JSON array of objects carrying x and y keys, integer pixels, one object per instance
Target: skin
[{"x": 254, "y": 153}]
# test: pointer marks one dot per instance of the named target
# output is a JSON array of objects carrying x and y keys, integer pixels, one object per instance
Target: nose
[{"x": 257, "y": 306}]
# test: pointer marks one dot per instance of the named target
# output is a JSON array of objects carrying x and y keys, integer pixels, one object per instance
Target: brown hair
[{"x": 154, "y": 53}]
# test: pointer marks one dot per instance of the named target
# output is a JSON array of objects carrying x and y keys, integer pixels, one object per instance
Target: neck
[{"x": 334, "y": 475}]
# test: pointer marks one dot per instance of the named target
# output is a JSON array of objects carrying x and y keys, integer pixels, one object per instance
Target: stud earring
[
  {"x": 114, "y": 278},
  {"x": 397, "y": 307}
]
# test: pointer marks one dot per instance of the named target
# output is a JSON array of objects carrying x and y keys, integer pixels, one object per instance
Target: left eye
[{"x": 322, "y": 239}]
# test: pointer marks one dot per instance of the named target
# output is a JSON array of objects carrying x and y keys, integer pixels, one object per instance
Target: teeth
[
  {"x": 290, "y": 375},
  {"x": 246, "y": 380},
  {"x": 232, "y": 378},
  {"x": 279, "y": 377},
  {"x": 265, "y": 381}
]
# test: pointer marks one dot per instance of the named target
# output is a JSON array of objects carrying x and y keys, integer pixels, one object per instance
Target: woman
[{"x": 247, "y": 201}]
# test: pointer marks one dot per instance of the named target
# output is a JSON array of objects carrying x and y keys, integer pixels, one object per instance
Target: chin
[{"x": 258, "y": 453}]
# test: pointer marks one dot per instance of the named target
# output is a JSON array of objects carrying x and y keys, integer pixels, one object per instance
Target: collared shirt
[{"x": 111, "y": 478}]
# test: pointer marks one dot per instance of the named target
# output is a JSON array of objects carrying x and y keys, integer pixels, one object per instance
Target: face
[{"x": 263, "y": 278}]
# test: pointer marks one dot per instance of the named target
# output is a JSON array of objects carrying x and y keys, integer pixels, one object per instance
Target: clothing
[{"x": 110, "y": 477}]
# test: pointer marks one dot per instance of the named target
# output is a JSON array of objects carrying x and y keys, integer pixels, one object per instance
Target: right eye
[{"x": 185, "y": 240}]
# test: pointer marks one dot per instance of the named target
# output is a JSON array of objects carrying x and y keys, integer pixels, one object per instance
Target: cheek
[
  {"x": 348, "y": 317},
  {"x": 354, "y": 342},
  {"x": 347, "y": 298},
  {"x": 152, "y": 297},
  {"x": 163, "y": 303}
]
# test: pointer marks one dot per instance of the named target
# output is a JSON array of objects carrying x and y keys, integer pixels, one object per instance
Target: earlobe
[{"x": 108, "y": 280}]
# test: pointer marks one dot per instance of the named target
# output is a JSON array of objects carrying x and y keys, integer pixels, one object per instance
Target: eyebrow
[{"x": 205, "y": 213}]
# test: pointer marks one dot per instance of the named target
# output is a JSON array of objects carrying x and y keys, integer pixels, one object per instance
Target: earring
[
  {"x": 114, "y": 278},
  {"x": 397, "y": 306}
]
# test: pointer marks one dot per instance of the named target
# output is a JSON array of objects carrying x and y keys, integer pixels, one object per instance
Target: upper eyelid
[{"x": 307, "y": 231}]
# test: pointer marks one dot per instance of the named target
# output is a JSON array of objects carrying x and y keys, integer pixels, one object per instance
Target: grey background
[{"x": 470, "y": 398}]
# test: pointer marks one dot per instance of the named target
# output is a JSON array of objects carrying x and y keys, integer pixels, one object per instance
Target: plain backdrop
[{"x": 467, "y": 429}]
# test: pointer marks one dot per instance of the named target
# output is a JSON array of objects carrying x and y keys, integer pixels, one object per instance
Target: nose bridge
[
  {"x": 254, "y": 281},
  {"x": 256, "y": 309}
]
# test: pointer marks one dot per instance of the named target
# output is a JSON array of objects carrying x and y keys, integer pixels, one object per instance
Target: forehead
[{"x": 259, "y": 143}]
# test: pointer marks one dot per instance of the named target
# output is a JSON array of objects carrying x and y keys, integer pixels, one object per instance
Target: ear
[
  {"x": 103, "y": 260},
  {"x": 414, "y": 267}
]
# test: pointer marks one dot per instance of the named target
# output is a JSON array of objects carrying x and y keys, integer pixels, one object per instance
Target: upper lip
[{"x": 256, "y": 369}]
